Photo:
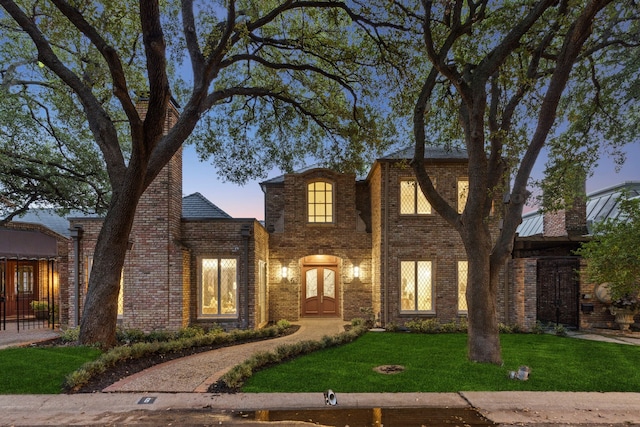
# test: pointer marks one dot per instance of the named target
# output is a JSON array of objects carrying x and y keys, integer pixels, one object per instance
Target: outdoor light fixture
[
  {"x": 356, "y": 271},
  {"x": 330, "y": 398},
  {"x": 284, "y": 271}
]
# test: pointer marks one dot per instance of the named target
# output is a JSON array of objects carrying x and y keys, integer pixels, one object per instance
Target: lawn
[
  {"x": 438, "y": 363},
  {"x": 40, "y": 370}
]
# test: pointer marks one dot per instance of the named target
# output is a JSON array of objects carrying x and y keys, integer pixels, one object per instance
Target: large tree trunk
[
  {"x": 99, "y": 316},
  {"x": 483, "y": 338}
]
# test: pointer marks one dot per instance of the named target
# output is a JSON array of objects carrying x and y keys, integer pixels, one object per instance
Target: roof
[
  {"x": 601, "y": 205},
  {"x": 430, "y": 152},
  {"x": 196, "y": 206},
  {"x": 48, "y": 218},
  {"x": 29, "y": 244},
  {"x": 193, "y": 206}
]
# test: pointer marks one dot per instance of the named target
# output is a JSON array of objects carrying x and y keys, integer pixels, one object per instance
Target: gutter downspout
[
  {"x": 76, "y": 236},
  {"x": 385, "y": 243}
]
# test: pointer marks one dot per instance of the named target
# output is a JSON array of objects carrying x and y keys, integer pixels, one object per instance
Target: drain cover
[{"x": 389, "y": 369}]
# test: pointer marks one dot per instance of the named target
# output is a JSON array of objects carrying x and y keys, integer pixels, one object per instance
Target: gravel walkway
[{"x": 196, "y": 373}]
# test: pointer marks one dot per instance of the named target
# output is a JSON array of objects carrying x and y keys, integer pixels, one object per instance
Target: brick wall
[
  {"x": 90, "y": 229},
  {"x": 377, "y": 260},
  {"x": 600, "y": 317},
  {"x": 292, "y": 239},
  {"x": 422, "y": 238},
  {"x": 223, "y": 238},
  {"x": 153, "y": 283},
  {"x": 521, "y": 309}
]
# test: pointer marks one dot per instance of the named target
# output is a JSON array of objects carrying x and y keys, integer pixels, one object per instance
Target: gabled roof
[
  {"x": 601, "y": 205},
  {"x": 196, "y": 206},
  {"x": 48, "y": 218},
  {"x": 430, "y": 152},
  {"x": 193, "y": 206}
]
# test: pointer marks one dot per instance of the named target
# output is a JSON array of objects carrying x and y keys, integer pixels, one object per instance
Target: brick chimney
[
  {"x": 153, "y": 282},
  {"x": 571, "y": 221}
]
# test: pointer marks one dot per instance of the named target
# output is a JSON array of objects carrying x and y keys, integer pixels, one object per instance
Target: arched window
[{"x": 319, "y": 202}]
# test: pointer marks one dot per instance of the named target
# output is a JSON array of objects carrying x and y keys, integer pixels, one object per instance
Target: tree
[
  {"x": 43, "y": 164},
  {"x": 270, "y": 82},
  {"x": 613, "y": 256},
  {"x": 502, "y": 79}
]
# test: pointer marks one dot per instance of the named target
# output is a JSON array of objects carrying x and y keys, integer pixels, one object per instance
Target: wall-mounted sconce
[
  {"x": 356, "y": 271},
  {"x": 284, "y": 271}
]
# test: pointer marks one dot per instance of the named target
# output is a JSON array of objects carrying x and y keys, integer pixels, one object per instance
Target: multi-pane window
[
  {"x": 121, "y": 295},
  {"x": 416, "y": 286},
  {"x": 320, "y": 202},
  {"x": 218, "y": 287},
  {"x": 412, "y": 200},
  {"x": 463, "y": 193},
  {"x": 24, "y": 279},
  {"x": 463, "y": 273}
]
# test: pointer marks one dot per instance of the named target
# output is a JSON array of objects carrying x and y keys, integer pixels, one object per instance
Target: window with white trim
[
  {"x": 319, "y": 202},
  {"x": 412, "y": 199},
  {"x": 463, "y": 273},
  {"x": 218, "y": 290},
  {"x": 416, "y": 286}
]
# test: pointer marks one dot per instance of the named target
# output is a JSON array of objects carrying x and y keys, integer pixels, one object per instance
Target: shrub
[
  {"x": 145, "y": 346},
  {"x": 369, "y": 317},
  {"x": 130, "y": 336},
  {"x": 283, "y": 324},
  {"x": 560, "y": 330},
  {"x": 70, "y": 334},
  {"x": 425, "y": 326},
  {"x": 538, "y": 328},
  {"x": 190, "y": 332},
  {"x": 392, "y": 327}
]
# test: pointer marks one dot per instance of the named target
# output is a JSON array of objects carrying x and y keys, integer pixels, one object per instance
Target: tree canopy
[{"x": 268, "y": 84}]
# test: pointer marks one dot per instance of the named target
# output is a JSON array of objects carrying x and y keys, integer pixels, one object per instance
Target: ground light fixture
[{"x": 330, "y": 398}]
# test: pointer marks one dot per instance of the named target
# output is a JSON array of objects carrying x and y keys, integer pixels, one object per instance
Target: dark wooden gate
[{"x": 558, "y": 290}]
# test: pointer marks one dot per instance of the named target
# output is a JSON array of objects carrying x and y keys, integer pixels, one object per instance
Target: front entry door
[{"x": 320, "y": 290}]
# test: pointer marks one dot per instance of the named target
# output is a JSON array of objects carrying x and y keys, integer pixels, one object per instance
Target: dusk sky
[{"x": 248, "y": 201}]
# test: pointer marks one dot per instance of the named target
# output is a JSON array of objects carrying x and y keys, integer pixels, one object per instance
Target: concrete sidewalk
[
  {"x": 174, "y": 393},
  {"x": 501, "y": 408}
]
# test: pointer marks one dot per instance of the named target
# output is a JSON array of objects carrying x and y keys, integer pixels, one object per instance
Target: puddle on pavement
[{"x": 376, "y": 417}]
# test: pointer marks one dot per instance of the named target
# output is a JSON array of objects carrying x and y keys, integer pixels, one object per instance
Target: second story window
[
  {"x": 412, "y": 200},
  {"x": 320, "y": 202}
]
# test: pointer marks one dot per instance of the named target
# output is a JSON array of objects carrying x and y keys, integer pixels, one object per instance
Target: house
[
  {"x": 332, "y": 245},
  {"x": 554, "y": 278},
  {"x": 33, "y": 265}
]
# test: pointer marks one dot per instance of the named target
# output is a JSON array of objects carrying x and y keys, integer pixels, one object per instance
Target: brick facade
[
  {"x": 243, "y": 240},
  {"x": 292, "y": 240}
]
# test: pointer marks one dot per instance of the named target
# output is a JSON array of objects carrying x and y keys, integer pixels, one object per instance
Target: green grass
[
  {"x": 438, "y": 363},
  {"x": 40, "y": 370}
]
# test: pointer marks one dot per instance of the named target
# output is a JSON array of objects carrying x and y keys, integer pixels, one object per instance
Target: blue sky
[{"x": 247, "y": 201}]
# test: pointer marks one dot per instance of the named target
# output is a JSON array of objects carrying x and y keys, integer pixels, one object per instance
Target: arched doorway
[{"x": 320, "y": 286}]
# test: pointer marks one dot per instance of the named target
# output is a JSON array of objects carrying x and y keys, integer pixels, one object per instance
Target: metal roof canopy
[{"x": 21, "y": 244}]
